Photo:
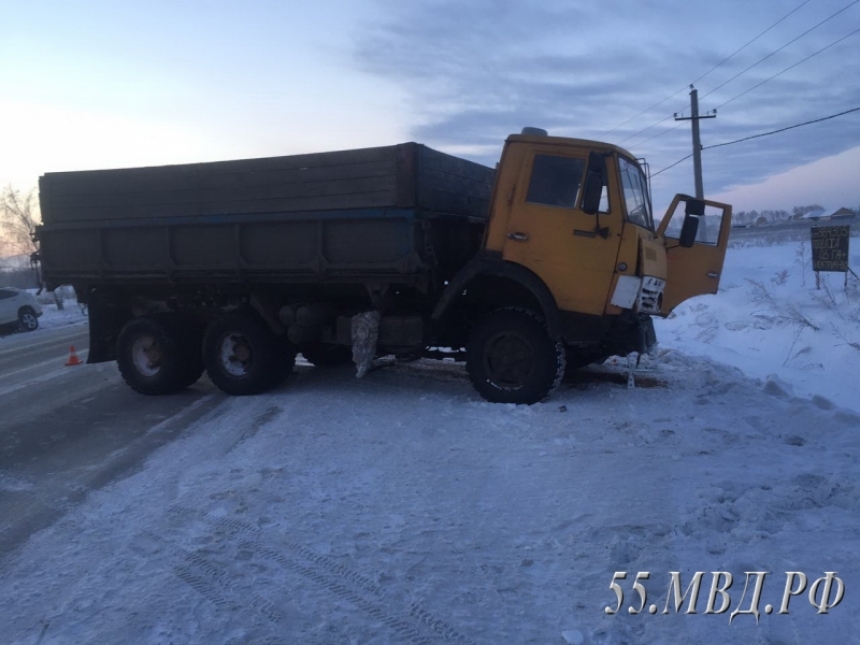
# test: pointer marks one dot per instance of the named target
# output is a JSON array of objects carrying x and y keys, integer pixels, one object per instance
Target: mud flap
[
  {"x": 107, "y": 316},
  {"x": 365, "y": 333},
  {"x": 647, "y": 335}
]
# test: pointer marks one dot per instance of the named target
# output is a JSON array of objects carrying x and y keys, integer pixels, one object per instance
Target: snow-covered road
[{"x": 401, "y": 509}]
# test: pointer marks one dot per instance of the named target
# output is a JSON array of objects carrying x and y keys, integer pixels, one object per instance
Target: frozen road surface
[
  {"x": 403, "y": 509},
  {"x": 67, "y": 430}
]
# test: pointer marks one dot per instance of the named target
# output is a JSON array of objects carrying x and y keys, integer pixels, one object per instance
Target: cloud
[{"x": 476, "y": 72}]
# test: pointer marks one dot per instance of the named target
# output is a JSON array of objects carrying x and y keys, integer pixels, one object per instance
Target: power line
[
  {"x": 831, "y": 17},
  {"x": 763, "y": 134},
  {"x": 791, "y": 127},
  {"x": 747, "y": 91},
  {"x": 660, "y": 134},
  {"x": 732, "y": 55},
  {"x": 658, "y": 104},
  {"x": 726, "y": 59},
  {"x": 836, "y": 42},
  {"x": 673, "y": 165},
  {"x": 653, "y": 125}
]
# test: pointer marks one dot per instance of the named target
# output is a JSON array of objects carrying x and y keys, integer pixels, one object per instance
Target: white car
[{"x": 19, "y": 308}]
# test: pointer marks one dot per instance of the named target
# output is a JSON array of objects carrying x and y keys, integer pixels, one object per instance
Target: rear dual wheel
[
  {"x": 159, "y": 354},
  {"x": 243, "y": 357}
]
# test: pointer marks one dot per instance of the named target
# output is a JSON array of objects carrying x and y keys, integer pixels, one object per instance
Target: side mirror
[
  {"x": 689, "y": 229},
  {"x": 595, "y": 179},
  {"x": 591, "y": 192},
  {"x": 695, "y": 207}
]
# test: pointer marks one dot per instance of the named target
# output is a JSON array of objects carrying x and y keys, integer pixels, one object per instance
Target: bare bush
[
  {"x": 18, "y": 221},
  {"x": 19, "y": 217},
  {"x": 785, "y": 311},
  {"x": 780, "y": 278}
]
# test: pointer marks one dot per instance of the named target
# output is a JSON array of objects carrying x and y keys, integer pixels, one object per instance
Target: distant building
[
  {"x": 817, "y": 214},
  {"x": 842, "y": 213}
]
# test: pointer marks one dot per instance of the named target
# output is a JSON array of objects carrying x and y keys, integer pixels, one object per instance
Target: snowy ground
[
  {"x": 70, "y": 315},
  {"x": 403, "y": 509},
  {"x": 770, "y": 319}
]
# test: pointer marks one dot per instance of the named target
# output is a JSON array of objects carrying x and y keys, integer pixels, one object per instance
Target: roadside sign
[{"x": 830, "y": 248}]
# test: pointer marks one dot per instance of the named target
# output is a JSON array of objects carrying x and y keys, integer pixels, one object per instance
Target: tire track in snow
[
  {"x": 196, "y": 565},
  {"x": 326, "y": 572},
  {"x": 237, "y": 526}
]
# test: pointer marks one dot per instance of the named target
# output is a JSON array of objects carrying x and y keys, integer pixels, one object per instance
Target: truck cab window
[
  {"x": 636, "y": 197},
  {"x": 555, "y": 181}
]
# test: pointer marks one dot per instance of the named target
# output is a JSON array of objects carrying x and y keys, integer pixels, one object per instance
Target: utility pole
[{"x": 697, "y": 144}]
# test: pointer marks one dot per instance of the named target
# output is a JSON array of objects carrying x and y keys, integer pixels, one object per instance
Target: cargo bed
[{"x": 394, "y": 214}]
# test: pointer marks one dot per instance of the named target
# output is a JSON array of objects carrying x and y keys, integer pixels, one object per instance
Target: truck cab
[
  {"x": 572, "y": 226},
  {"x": 604, "y": 258}
]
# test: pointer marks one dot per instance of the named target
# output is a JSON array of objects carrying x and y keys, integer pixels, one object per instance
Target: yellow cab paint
[
  {"x": 560, "y": 244},
  {"x": 695, "y": 270},
  {"x": 580, "y": 257}
]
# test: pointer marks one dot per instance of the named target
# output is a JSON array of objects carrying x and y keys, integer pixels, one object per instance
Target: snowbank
[{"x": 770, "y": 319}]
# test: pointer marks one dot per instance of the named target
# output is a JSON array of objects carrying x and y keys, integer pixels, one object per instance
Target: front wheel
[
  {"x": 243, "y": 357},
  {"x": 512, "y": 359}
]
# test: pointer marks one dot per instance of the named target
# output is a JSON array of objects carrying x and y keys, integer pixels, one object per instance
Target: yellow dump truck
[{"x": 549, "y": 262}]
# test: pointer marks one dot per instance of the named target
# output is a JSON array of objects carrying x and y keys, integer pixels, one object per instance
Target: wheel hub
[
  {"x": 509, "y": 360},
  {"x": 236, "y": 355},
  {"x": 146, "y": 355}
]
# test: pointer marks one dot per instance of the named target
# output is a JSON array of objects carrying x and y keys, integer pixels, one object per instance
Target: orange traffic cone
[{"x": 73, "y": 357}]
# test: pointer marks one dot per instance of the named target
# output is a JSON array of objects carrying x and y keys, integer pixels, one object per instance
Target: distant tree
[
  {"x": 18, "y": 221},
  {"x": 19, "y": 218}
]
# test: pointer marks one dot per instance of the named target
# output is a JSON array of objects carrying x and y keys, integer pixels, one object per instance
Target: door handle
[
  {"x": 518, "y": 237},
  {"x": 713, "y": 274}
]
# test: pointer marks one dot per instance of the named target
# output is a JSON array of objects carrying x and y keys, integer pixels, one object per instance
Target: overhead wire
[
  {"x": 791, "y": 127},
  {"x": 758, "y": 136},
  {"x": 673, "y": 165},
  {"x": 739, "y": 74},
  {"x": 725, "y": 60},
  {"x": 737, "y": 51},
  {"x": 794, "y": 40},
  {"x": 836, "y": 42},
  {"x": 747, "y": 91}
]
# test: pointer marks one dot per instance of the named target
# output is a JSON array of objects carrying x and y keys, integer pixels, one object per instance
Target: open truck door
[{"x": 696, "y": 234}]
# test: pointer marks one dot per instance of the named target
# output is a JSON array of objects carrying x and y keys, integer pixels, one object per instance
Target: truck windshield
[{"x": 636, "y": 199}]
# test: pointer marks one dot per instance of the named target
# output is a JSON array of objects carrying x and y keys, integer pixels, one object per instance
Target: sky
[{"x": 103, "y": 84}]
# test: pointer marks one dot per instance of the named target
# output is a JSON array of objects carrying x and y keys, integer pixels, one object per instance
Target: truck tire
[
  {"x": 325, "y": 355},
  {"x": 243, "y": 357},
  {"x": 27, "y": 319},
  {"x": 511, "y": 358},
  {"x": 155, "y": 357}
]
